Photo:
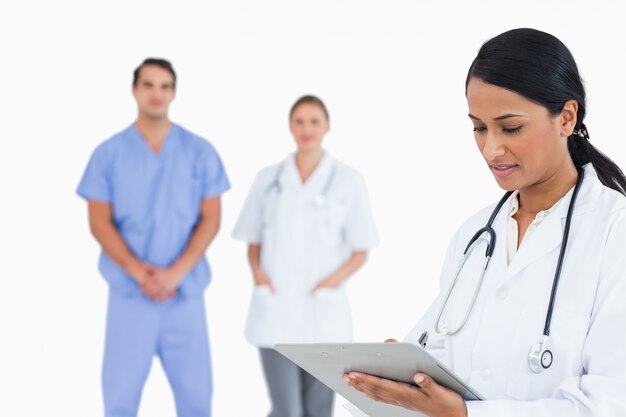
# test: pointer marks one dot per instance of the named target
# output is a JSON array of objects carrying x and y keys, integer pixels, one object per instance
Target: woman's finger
[
  {"x": 381, "y": 389},
  {"x": 425, "y": 383}
]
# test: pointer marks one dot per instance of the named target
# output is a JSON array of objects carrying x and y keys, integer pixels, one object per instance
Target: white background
[{"x": 392, "y": 74}]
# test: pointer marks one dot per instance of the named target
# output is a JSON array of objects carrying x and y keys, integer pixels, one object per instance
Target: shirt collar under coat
[
  {"x": 547, "y": 237},
  {"x": 317, "y": 180}
]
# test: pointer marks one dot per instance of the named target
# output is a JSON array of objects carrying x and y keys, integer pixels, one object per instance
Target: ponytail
[{"x": 583, "y": 152}]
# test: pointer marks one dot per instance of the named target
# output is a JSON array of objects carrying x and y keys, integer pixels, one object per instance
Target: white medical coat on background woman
[
  {"x": 306, "y": 232},
  {"x": 588, "y": 330}
]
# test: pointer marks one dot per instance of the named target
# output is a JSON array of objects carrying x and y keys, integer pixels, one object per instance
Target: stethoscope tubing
[
  {"x": 559, "y": 264},
  {"x": 449, "y": 292},
  {"x": 491, "y": 244},
  {"x": 276, "y": 183},
  {"x": 488, "y": 228}
]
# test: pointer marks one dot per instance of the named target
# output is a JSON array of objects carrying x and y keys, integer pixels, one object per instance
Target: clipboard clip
[{"x": 423, "y": 340}]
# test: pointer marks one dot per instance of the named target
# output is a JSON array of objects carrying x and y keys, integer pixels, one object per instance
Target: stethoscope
[
  {"x": 319, "y": 200},
  {"x": 539, "y": 357}
]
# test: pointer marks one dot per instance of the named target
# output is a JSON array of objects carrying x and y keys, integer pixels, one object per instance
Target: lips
[{"x": 503, "y": 170}]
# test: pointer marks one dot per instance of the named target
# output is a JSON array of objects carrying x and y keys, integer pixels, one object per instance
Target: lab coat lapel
[
  {"x": 315, "y": 184},
  {"x": 291, "y": 175},
  {"x": 498, "y": 263},
  {"x": 548, "y": 236},
  {"x": 544, "y": 240}
]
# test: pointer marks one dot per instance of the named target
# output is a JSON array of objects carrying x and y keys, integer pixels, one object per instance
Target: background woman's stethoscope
[
  {"x": 319, "y": 199},
  {"x": 539, "y": 357}
]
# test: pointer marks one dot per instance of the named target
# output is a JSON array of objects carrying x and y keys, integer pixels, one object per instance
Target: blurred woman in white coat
[
  {"x": 309, "y": 226},
  {"x": 541, "y": 332}
]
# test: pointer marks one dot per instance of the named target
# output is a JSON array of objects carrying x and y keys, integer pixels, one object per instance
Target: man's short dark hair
[{"x": 159, "y": 62}]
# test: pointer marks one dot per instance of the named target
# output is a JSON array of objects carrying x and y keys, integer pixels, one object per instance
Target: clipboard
[{"x": 396, "y": 361}]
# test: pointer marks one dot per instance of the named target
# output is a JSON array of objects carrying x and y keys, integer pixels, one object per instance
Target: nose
[
  {"x": 493, "y": 147},
  {"x": 308, "y": 129}
]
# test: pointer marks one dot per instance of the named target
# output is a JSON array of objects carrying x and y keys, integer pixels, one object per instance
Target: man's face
[{"x": 154, "y": 91}]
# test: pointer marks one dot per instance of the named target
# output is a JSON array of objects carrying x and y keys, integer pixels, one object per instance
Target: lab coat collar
[
  {"x": 549, "y": 234},
  {"x": 291, "y": 175}
]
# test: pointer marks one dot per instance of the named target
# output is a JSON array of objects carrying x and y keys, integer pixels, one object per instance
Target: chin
[
  {"x": 308, "y": 146},
  {"x": 508, "y": 184},
  {"x": 155, "y": 116}
]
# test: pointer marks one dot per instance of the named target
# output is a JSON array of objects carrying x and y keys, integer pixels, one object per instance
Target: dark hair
[
  {"x": 162, "y": 63},
  {"x": 539, "y": 67},
  {"x": 309, "y": 100}
]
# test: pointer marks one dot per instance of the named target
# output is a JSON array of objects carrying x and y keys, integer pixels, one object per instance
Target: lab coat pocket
[
  {"x": 261, "y": 323},
  {"x": 567, "y": 336},
  {"x": 331, "y": 315}
]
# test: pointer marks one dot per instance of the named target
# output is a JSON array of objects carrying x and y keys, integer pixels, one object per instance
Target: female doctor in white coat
[
  {"x": 309, "y": 226},
  {"x": 527, "y": 104}
]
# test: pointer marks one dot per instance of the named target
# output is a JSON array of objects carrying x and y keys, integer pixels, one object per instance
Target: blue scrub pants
[{"x": 138, "y": 329}]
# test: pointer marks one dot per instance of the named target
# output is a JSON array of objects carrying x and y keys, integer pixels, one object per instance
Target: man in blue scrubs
[{"x": 153, "y": 192}]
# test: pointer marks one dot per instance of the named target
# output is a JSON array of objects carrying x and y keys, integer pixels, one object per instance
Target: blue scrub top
[{"x": 156, "y": 199}]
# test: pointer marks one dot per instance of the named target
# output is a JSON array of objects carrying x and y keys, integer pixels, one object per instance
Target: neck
[
  {"x": 545, "y": 194},
  {"x": 307, "y": 161},
  {"x": 153, "y": 130}
]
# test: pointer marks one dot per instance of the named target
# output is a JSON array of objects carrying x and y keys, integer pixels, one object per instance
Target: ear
[{"x": 568, "y": 117}]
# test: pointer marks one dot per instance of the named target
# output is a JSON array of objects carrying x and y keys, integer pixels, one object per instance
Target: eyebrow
[{"x": 496, "y": 119}]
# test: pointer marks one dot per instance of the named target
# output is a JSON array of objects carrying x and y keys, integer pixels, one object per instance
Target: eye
[
  {"x": 479, "y": 129},
  {"x": 512, "y": 129}
]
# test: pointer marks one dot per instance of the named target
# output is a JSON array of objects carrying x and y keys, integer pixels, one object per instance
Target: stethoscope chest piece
[{"x": 539, "y": 358}]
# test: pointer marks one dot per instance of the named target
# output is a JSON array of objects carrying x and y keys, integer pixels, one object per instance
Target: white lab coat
[
  {"x": 304, "y": 237},
  {"x": 588, "y": 331}
]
